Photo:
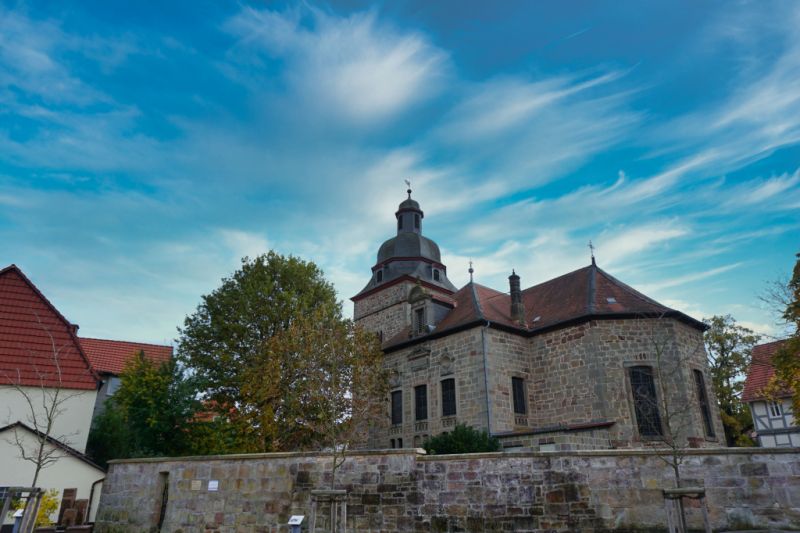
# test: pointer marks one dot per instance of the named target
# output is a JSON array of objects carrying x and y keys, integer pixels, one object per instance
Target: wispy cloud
[{"x": 352, "y": 68}]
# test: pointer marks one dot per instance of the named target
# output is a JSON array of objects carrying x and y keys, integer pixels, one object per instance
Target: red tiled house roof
[
  {"x": 109, "y": 357},
  {"x": 585, "y": 294},
  {"x": 38, "y": 346},
  {"x": 761, "y": 371}
]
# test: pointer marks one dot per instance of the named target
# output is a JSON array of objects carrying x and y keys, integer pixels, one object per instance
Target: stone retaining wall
[{"x": 405, "y": 490}]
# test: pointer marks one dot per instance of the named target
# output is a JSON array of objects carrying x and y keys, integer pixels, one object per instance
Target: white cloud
[
  {"x": 244, "y": 243},
  {"x": 687, "y": 278},
  {"x": 350, "y": 67}
]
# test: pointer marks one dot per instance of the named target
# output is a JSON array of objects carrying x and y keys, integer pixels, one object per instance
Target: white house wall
[
  {"x": 775, "y": 431},
  {"x": 68, "y": 472},
  {"x": 71, "y": 426}
]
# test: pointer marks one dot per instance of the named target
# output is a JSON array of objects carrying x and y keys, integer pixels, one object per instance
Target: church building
[{"x": 582, "y": 361}]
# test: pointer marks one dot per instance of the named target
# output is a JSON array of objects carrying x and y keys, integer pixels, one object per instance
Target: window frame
[
  {"x": 396, "y": 404},
  {"x": 775, "y": 409},
  {"x": 518, "y": 396},
  {"x": 419, "y": 320},
  {"x": 647, "y": 416},
  {"x": 702, "y": 400},
  {"x": 449, "y": 398},
  {"x": 421, "y": 402}
]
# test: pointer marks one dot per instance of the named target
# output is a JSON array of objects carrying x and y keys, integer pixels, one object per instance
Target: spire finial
[
  {"x": 471, "y": 270},
  {"x": 591, "y": 250},
  {"x": 408, "y": 184}
]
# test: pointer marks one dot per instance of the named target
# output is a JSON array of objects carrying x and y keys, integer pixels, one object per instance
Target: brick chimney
[{"x": 517, "y": 309}]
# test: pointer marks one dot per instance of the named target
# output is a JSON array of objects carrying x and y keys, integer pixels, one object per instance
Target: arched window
[
  {"x": 400, "y": 222},
  {"x": 379, "y": 275},
  {"x": 435, "y": 274},
  {"x": 702, "y": 399},
  {"x": 645, "y": 401},
  {"x": 416, "y": 221}
]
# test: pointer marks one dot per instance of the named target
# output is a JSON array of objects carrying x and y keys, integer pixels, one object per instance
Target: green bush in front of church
[{"x": 463, "y": 439}]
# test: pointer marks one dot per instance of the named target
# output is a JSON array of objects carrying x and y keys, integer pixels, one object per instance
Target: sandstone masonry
[{"x": 405, "y": 490}]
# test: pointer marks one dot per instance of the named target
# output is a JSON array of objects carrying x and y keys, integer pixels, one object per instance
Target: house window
[
  {"x": 419, "y": 320},
  {"x": 379, "y": 275},
  {"x": 448, "y": 397},
  {"x": 435, "y": 274},
  {"x": 113, "y": 385},
  {"x": 645, "y": 402},
  {"x": 775, "y": 409},
  {"x": 416, "y": 221},
  {"x": 421, "y": 402},
  {"x": 518, "y": 390},
  {"x": 702, "y": 399},
  {"x": 397, "y": 407}
]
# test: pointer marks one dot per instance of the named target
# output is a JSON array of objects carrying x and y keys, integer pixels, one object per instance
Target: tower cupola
[
  {"x": 409, "y": 255},
  {"x": 409, "y": 216}
]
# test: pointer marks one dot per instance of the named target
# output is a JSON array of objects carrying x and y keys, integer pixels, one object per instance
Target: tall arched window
[{"x": 645, "y": 401}]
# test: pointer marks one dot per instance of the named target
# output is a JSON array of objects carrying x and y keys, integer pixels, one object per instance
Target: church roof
[
  {"x": 761, "y": 370},
  {"x": 409, "y": 245},
  {"x": 110, "y": 357},
  {"x": 584, "y": 294},
  {"x": 38, "y": 346}
]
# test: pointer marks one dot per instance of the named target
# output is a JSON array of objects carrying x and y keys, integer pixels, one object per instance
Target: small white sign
[
  {"x": 296, "y": 520},
  {"x": 213, "y": 485}
]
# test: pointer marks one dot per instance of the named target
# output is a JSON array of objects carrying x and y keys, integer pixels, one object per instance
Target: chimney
[{"x": 517, "y": 309}]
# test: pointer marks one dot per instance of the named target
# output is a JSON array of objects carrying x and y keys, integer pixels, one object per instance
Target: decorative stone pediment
[
  {"x": 394, "y": 378},
  {"x": 445, "y": 363}
]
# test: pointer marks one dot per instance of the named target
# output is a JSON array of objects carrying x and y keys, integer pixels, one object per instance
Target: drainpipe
[
  {"x": 91, "y": 497},
  {"x": 486, "y": 379}
]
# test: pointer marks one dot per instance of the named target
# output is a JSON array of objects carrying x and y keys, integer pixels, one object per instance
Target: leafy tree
[
  {"x": 729, "y": 348},
  {"x": 787, "y": 359},
  {"x": 226, "y": 334},
  {"x": 151, "y": 413},
  {"x": 463, "y": 439},
  {"x": 319, "y": 383}
]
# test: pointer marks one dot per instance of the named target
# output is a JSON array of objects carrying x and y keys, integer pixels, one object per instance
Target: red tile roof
[
  {"x": 589, "y": 292},
  {"x": 38, "y": 346},
  {"x": 761, "y": 370},
  {"x": 109, "y": 357}
]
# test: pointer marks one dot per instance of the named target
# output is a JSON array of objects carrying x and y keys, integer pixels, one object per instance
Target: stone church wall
[
  {"x": 458, "y": 356},
  {"x": 403, "y": 490}
]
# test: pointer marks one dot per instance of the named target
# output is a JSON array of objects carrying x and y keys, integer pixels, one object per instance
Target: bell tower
[{"x": 404, "y": 261}]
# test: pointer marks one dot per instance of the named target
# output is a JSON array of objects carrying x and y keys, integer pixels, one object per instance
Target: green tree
[
  {"x": 463, "y": 439},
  {"x": 787, "y": 359},
  {"x": 226, "y": 334},
  {"x": 729, "y": 347},
  {"x": 319, "y": 383},
  {"x": 151, "y": 414}
]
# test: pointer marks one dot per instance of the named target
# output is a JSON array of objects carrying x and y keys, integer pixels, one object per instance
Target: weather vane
[
  {"x": 591, "y": 250},
  {"x": 408, "y": 184},
  {"x": 470, "y": 270}
]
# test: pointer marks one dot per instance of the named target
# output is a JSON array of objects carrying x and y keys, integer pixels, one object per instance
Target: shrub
[{"x": 463, "y": 439}]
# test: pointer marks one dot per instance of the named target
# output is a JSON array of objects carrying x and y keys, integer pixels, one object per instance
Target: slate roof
[
  {"x": 109, "y": 357},
  {"x": 584, "y": 294},
  {"x": 31, "y": 329},
  {"x": 761, "y": 370}
]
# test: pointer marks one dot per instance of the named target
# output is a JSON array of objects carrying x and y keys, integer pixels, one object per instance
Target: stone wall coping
[
  {"x": 422, "y": 456},
  {"x": 611, "y": 453},
  {"x": 272, "y": 455}
]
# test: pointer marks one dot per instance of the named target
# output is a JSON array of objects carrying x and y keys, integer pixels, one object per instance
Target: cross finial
[
  {"x": 471, "y": 270},
  {"x": 408, "y": 184},
  {"x": 591, "y": 250}
]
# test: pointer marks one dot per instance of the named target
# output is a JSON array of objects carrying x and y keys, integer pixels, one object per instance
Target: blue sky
[{"x": 143, "y": 152}]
